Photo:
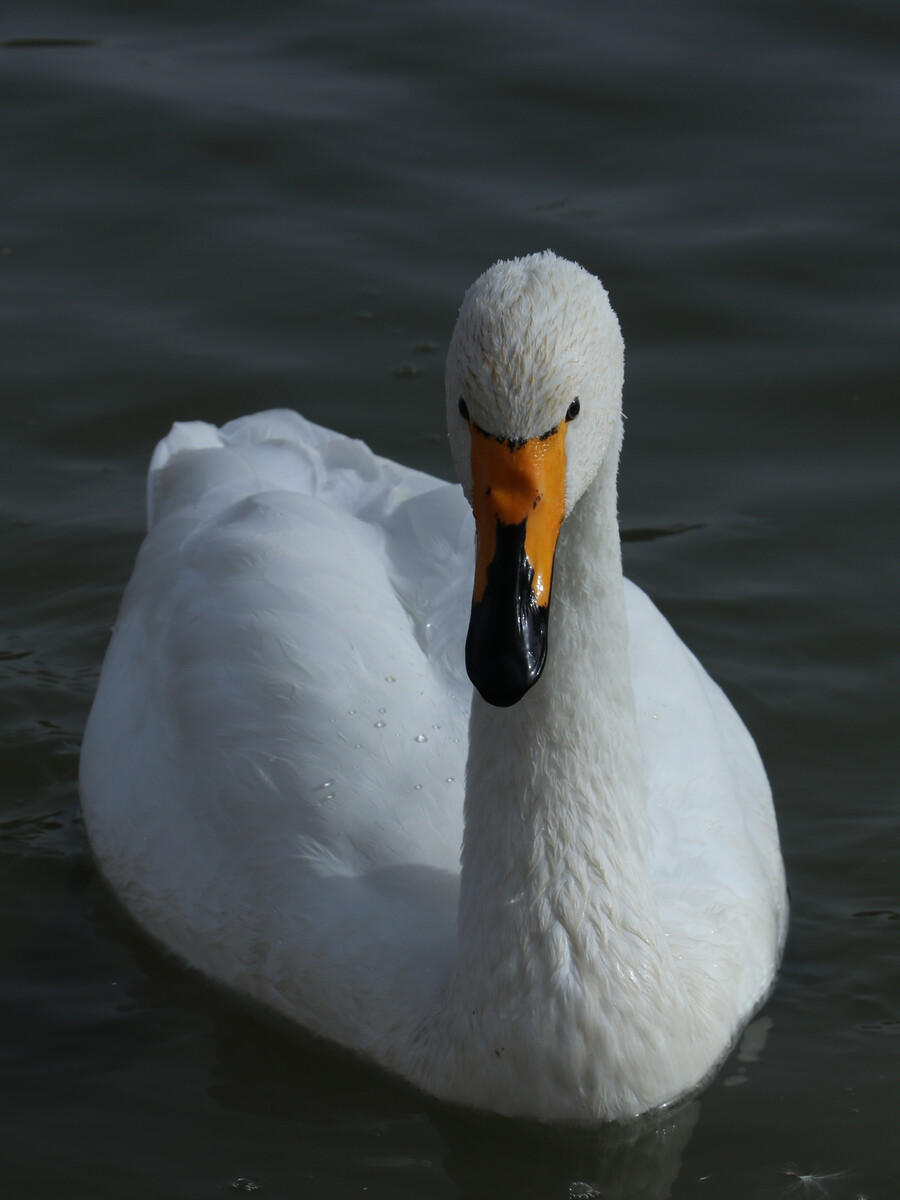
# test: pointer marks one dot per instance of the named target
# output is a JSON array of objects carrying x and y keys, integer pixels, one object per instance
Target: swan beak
[{"x": 519, "y": 491}]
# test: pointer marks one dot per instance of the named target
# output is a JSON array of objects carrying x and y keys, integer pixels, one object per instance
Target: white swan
[{"x": 273, "y": 770}]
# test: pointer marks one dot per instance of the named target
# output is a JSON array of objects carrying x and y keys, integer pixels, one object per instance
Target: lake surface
[{"x": 211, "y": 209}]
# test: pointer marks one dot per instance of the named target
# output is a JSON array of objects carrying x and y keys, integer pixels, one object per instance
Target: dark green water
[{"x": 214, "y": 208}]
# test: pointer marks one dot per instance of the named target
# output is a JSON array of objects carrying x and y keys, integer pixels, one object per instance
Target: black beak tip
[
  {"x": 502, "y": 688},
  {"x": 506, "y": 646},
  {"x": 504, "y": 668}
]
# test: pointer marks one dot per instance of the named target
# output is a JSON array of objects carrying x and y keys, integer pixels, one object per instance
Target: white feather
[{"x": 274, "y": 771}]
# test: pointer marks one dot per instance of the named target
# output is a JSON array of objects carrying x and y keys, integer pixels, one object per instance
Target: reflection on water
[
  {"x": 261, "y": 1068},
  {"x": 638, "y": 1161}
]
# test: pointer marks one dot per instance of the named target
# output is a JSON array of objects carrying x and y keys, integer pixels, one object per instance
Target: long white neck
[
  {"x": 562, "y": 964},
  {"x": 555, "y": 803}
]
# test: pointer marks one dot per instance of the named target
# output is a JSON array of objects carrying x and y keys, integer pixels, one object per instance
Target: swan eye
[
  {"x": 463, "y": 409},
  {"x": 573, "y": 410}
]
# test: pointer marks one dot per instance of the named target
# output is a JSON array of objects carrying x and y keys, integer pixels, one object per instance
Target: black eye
[
  {"x": 463, "y": 409},
  {"x": 573, "y": 410}
]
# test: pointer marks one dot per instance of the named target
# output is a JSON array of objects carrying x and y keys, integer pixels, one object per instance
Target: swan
[{"x": 557, "y": 894}]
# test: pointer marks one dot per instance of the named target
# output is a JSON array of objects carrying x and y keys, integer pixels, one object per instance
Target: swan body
[{"x": 285, "y": 763}]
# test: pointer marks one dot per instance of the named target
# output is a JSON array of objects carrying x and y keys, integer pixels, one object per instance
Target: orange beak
[{"x": 519, "y": 501}]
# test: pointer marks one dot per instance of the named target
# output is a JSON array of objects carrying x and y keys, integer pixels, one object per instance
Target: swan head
[{"x": 534, "y": 390}]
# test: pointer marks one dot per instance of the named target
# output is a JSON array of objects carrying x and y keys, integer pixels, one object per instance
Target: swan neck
[
  {"x": 561, "y": 954},
  {"x": 557, "y": 779}
]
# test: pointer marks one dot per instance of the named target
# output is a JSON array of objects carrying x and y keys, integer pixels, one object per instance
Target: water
[{"x": 215, "y": 208}]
